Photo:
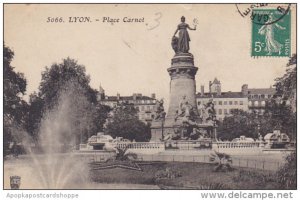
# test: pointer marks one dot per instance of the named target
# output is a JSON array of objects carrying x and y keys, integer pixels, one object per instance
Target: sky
[{"x": 129, "y": 58}]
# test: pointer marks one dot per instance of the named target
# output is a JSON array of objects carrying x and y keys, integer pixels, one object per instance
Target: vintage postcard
[{"x": 150, "y": 96}]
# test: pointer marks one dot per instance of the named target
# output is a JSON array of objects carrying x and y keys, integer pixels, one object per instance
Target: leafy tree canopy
[
  {"x": 126, "y": 124},
  {"x": 14, "y": 88},
  {"x": 56, "y": 77},
  {"x": 286, "y": 86}
]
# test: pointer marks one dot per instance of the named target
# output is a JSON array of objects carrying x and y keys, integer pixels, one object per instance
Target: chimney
[
  {"x": 245, "y": 89},
  {"x": 134, "y": 96},
  {"x": 153, "y": 96},
  {"x": 209, "y": 86},
  {"x": 202, "y": 90},
  {"x": 118, "y": 96},
  {"x": 219, "y": 91}
]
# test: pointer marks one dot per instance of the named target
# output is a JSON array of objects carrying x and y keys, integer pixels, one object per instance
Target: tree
[
  {"x": 70, "y": 119},
  {"x": 286, "y": 86},
  {"x": 14, "y": 88},
  {"x": 245, "y": 123},
  {"x": 101, "y": 113},
  {"x": 283, "y": 106},
  {"x": 13, "y": 106},
  {"x": 281, "y": 116},
  {"x": 126, "y": 124},
  {"x": 35, "y": 114},
  {"x": 237, "y": 124},
  {"x": 56, "y": 77},
  {"x": 66, "y": 86}
]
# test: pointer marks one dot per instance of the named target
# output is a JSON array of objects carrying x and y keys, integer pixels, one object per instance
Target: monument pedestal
[
  {"x": 157, "y": 130},
  {"x": 182, "y": 73},
  {"x": 182, "y": 117}
]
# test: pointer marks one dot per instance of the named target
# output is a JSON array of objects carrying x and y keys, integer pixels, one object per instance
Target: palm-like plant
[
  {"x": 222, "y": 160},
  {"x": 123, "y": 155},
  {"x": 122, "y": 159}
]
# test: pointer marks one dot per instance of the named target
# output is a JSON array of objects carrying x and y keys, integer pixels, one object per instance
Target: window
[
  {"x": 199, "y": 103},
  {"x": 263, "y": 103},
  {"x": 262, "y": 96},
  {"x": 225, "y": 102},
  {"x": 142, "y": 108},
  {"x": 235, "y": 103},
  {"x": 230, "y": 102},
  {"x": 250, "y": 103},
  {"x": 255, "y": 103},
  {"x": 241, "y": 103},
  {"x": 220, "y": 102},
  {"x": 220, "y": 111},
  {"x": 225, "y": 111},
  {"x": 148, "y": 108}
]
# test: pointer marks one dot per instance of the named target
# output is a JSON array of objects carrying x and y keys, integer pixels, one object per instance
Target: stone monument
[{"x": 182, "y": 115}]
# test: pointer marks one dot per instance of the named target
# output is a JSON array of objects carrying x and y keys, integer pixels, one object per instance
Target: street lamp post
[
  {"x": 163, "y": 115},
  {"x": 215, "y": 127}
]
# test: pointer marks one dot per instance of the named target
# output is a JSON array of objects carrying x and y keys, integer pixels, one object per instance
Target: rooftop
[
  {"x": 216, "y": 81},
  {"x": 126, "y": 98},
  {"x": 223, "y": 95},
  {"x": 261, "y": 91}
]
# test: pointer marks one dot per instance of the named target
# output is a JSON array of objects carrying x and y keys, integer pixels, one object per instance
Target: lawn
[{"x": 193, "y": 176}]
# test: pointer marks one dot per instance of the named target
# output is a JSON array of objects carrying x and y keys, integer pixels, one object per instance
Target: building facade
[
  {"x": 145, "y": 105},
  {"x": 224, "y": 102},
  {"x": 249, "y": 99},
  {"x": 258, "y": 98}
]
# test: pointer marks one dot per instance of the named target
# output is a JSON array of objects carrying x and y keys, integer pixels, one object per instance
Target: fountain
[{"x": 47, "y": 167}]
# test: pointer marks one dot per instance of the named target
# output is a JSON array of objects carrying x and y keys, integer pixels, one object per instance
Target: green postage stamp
[{"x": 271, "y": 32}]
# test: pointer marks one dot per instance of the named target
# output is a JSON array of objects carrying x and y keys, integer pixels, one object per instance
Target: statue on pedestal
[
  {"x": 159, "y": 110},
  {"x": 181, "y": 44},
  {"x": 207, "y": 112}
]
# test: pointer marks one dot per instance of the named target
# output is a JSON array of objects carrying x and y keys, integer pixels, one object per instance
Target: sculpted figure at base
[
  {"x": 207, "y": 112},
  {"x": 159, "y": 110},
  {"x": 185, "y": 111}
]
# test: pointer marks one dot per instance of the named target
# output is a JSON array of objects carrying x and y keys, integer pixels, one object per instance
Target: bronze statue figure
[{"x": 181, "y": 44}]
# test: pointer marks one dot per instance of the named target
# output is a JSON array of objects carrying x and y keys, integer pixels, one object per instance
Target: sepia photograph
[{"x": 150, "y": 96}]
